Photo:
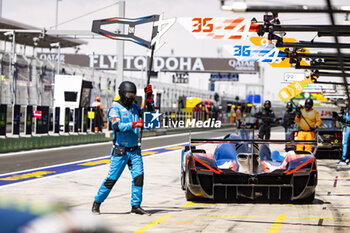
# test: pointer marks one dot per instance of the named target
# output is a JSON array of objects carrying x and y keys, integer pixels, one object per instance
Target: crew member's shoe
[
  {"x": 138, "y": 210},
  {"x": 95, "y": 208},
  {"x": 341, "y": 162}
]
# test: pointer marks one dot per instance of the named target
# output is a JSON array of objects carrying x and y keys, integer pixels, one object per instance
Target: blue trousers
[
  {"x": 346, "y": 134},
  {"x": 118, "y": 163},
  {"x": 288, "y": 133}
]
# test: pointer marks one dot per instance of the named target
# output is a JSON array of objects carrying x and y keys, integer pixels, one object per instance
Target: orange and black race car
[{"x": 244, "y": 169}]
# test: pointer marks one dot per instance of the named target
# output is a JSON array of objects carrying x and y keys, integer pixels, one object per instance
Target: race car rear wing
[{"x": 251, "y": 141}]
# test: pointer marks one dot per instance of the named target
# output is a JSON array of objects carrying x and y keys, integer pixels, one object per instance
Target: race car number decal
[
  {"x": 219, "y": 27},
  {"x": 256, "y": 53}
]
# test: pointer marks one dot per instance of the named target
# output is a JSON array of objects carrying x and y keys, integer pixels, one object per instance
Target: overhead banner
[
  {"x": 163, "y": 64},
  {"x": 3, "y": 119},
  {"x": 223, "y": 77},
  {"x": 291, "y": 77},
  {"x": 293, "y": 89},
  {"x": 219, "y": 27},
  {"x": 263, "y": 50}
]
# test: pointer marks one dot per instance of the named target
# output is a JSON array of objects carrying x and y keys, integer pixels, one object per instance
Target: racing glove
[
  {"x": 149, "y": 94},
  {"x": 138, "y": 124}
]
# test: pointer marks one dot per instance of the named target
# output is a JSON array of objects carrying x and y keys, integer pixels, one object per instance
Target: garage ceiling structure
[
  {"x": 27, "y": 34},
  {"x": 320, "y": 62}
]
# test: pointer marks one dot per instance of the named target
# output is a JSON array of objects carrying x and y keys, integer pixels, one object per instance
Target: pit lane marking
[
  {"x": 148, "y": 153},
  {"x": 190, "y": 203},
  {"x": 38, "y": 174},
  {"x": 54, "y": 170},
  {"x": 274, "y": 228},
  {"x": 178, "y": 221},
  {"x": 174, "y": 148},
  {"x": 103, "y": 161},
  {"x": 277, "y": 224},
  {"x": 152, "y": 224}
]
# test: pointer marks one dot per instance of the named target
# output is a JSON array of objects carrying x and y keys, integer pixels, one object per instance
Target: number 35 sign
[{"x": 219, "y": 28}]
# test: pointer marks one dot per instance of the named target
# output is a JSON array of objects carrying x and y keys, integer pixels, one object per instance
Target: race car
[
  {"x": 245, "y": 169},
  {"x": 329, "y": 139}
]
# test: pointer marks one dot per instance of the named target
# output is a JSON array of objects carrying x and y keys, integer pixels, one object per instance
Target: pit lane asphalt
[
  {"x": 19, "y": 161},
  {"x": 163, "y": 197}
]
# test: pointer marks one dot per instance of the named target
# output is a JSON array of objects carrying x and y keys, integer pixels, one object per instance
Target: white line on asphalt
[
  {"x": 96, "y": 158},
  {"x": 94, "y": 144},
  {"x": 80, "y": 170}
]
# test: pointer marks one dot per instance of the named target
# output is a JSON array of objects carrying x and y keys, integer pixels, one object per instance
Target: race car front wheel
[
  {"x": 183, "y": 179},
  {"x": 189, "y": 196},
  {"x": 306, "y": 200}
]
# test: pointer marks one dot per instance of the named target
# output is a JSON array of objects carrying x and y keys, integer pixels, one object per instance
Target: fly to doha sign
[{"x": 163, "y": 64}]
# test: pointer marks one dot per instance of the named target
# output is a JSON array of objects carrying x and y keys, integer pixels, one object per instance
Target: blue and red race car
[{"x": 242, "y": 169}]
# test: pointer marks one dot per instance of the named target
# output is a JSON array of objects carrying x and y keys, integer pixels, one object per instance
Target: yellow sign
[
  {"x": 263, "y": 41},
  {"x": 28, "y": 175},
  {"x": 293, "y": 89},
  {"x": 2, "y": 77},
  {"x": 91, "y": 115}
]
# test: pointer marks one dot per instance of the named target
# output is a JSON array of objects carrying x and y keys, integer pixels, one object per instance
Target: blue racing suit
[
  {"x": 346, "y": 134},
  {"x": 124, "y": 136}
]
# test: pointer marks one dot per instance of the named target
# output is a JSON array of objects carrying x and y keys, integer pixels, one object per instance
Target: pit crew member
[
  {"x": 309, "y": 120},
  {"x": 126, "y": 123},
  {"x": 268, "y": 117}
]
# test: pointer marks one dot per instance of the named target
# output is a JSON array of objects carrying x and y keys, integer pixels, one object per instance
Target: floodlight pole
[
  {"x": 12, "y": 69},
  {"x": 120, "y": 49},
  {"x": 56, "y": 20}
]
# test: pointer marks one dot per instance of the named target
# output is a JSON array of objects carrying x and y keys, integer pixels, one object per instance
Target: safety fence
[
  {"x": 27, "y": 127},
  {"x": 29, "y": 120}
]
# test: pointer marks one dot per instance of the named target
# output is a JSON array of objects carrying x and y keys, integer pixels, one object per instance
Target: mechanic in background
[
  {"x": 309, "y": 120},
  {"x": 345, "y": 119},
  {"x": 126, "y": 123},
  {"x": 97, "y": 106},
  {"x": 268, "y": 117},
  {"x": 288, "y": 121}
]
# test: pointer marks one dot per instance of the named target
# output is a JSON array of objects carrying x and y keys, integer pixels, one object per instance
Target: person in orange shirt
[
  {"x": 309, "y": 120},
  {"x": 97, "y": 106}
]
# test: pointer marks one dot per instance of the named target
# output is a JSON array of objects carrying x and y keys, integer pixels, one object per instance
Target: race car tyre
[
  {"x": 306, "y": 200},
  {"x": 190, "y": 196},
  {"x": 183, "y": 187},
  {"x": 309, "y": 199}
]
